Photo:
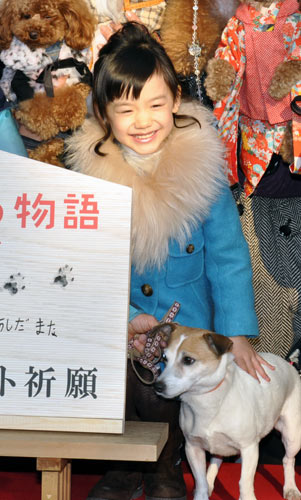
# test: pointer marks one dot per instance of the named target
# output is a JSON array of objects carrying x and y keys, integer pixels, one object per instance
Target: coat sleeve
[
  {"x": 228, "y": 269},
  {"x": 134, "y": 311}
]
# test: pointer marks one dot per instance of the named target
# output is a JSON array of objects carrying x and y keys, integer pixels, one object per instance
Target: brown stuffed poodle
[
  {"x": 28, "y": 29},
  {"x": 221, "y": 77}
]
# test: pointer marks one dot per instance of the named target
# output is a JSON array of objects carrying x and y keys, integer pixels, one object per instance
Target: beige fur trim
[{"x": 171, "y": 199}]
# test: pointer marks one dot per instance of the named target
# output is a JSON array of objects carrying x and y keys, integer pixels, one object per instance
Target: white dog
[{"x": 226, "y": 411}]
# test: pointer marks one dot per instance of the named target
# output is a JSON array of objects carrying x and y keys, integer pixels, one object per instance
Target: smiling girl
[
  {"x": 143, "y": 124},
  {"x": 187, "y": 243}
]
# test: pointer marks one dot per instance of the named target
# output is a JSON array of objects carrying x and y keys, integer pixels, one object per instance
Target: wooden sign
[{"x": 64, "y": 292}]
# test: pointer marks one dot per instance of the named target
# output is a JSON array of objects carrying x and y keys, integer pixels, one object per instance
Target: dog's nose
[
  {"x": 159, "y": 387},
  {"x": 33, "y": 35}
]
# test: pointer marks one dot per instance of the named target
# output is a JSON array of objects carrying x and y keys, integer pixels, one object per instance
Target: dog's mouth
[
  {"x": 35, "y": 35},
  {"x": 36, "y": 42},
  {"x": 161, "y": 389}
]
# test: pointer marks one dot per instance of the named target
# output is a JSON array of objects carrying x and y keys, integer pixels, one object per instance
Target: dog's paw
[
  {"x": 49, "y": 152},
  {"x": 292, "y": 494},
  {"x": 200, "y": 495},
  {"x": 64, "y": 276},
  {"x": 286, "y": 75},
  {"x": 36, "y": 115},
  {"x": 14, "y": 284},
  {"x": 220, "y": 78}
]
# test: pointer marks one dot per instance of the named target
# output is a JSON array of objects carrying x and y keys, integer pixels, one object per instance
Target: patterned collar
[
  {"x": 265, "y": 19},
  {"x": 54, "y": 50}
]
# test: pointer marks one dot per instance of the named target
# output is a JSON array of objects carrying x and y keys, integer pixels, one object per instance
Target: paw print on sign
[
  {"x": 14, "y": 284},
  {"x": 64, "y": 276}
]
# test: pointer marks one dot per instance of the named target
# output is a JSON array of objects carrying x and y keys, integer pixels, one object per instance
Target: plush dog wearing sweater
[
  {"x": 226, "y": 411},
  {"x": 45, "y": 49}
]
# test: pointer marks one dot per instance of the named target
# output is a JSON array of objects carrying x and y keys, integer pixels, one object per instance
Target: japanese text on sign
[
  {"x": 8, "y": 325},
  {"x": 80, "y": 383},
  {"x": 81, "y": 211}
]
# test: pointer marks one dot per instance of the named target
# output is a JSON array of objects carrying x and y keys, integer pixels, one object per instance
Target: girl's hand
[
  {"x": 138, "y": 328},
  {"x": 248, "y": 359}
]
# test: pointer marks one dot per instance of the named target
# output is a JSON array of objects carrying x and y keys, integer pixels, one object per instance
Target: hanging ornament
[{"x": 195, "y": 50}]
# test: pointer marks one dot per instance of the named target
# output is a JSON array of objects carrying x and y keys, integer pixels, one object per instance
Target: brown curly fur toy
[
  {"x": 41, "y": 24},
  {"x": 221, "y": 76},
  {"x": 176, "y": 30}
]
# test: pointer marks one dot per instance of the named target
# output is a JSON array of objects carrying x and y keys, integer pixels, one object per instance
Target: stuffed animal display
[
  {"x": 190, "y": 33},
  {"x": 255, "y": 83},
  {"x": 45, "y": 49}
]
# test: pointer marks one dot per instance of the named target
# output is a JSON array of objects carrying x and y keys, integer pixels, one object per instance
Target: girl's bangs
[{"x": 129, "y": 74}]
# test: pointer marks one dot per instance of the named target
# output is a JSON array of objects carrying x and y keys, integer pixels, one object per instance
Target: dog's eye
[
  {"x": 187, "y": 360},
  {"x": 25, "y": 16}
]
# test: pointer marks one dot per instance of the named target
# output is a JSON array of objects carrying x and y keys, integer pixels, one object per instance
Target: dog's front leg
[
  {"x": 249, "y": 459},
  {"x": 197, "y": 460},
  {"x": 212, "y": 471}
]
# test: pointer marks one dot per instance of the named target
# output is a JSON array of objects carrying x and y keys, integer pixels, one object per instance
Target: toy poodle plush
[
  {"x": 252, "y": 78},
  {"x": 176, "y": 33},
  {"x": 45, "y": 47}
]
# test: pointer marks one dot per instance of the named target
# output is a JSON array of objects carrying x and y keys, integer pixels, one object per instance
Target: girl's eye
[
  {"x": 157, "y": 105},
  {"x": 125, "y": 111}
]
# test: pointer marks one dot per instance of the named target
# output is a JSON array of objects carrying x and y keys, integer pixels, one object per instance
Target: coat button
[
  {"x": 147, "y": 290},
  {"x": 285, "y": 230},
  {"x": 190, "y": 248}
]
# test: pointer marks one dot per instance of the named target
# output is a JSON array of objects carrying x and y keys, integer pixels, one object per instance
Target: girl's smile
[
  {"x": 143, "y": 124},
  {"x": 145, "y": 137}
]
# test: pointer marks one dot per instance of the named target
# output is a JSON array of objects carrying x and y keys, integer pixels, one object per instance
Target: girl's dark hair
[{"x": 129, "y": 58}]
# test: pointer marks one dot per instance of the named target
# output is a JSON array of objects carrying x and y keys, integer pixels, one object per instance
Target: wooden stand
[
  {"x": 56, "y": 478},
  {"x": 141, "y": 441}
]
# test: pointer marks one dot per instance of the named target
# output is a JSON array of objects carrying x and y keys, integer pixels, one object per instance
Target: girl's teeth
[{"x": 145, "y": 136}]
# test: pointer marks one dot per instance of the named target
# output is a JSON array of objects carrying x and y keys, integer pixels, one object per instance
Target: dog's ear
[
  {"x": 81, "y": 23},
  {"x": 7, "y": 13},
  {"x": 219, "y": 344}
]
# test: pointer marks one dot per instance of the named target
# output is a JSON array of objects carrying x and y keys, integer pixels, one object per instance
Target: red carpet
[{"x": 268, "y": 484}]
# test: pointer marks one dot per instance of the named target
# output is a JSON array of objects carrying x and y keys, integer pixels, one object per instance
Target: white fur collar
[{"x": 170, "y": 198}]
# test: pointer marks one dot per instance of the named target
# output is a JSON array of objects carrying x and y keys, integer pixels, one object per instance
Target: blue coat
[
  {"x": 211, "y": 277},
  {"x": 180, "y": 190}
]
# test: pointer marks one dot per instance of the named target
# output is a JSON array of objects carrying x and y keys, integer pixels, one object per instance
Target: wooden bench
[{"x": 141, "y": 441}]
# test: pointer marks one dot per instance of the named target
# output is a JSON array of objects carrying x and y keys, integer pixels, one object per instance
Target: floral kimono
[{"x": 255, "y": 43}]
